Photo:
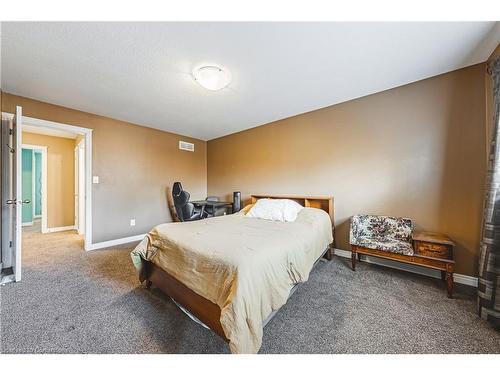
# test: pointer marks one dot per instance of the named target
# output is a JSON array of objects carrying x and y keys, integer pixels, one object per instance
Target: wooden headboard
[{"x": 323, "y": 203}]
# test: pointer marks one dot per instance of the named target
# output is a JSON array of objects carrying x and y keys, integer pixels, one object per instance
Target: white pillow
[{"x": 284, "y": 210}]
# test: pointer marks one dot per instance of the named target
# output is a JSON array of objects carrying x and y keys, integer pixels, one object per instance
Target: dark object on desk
[
  {"x": 236, "y": 201},
  {"x": 186, "y": 210},
  {"x": 213, "y": 206},
  {"x": 211, "y": 209}
]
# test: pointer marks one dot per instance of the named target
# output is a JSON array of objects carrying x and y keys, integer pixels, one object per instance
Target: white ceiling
[{"x": 141, "y": 72}]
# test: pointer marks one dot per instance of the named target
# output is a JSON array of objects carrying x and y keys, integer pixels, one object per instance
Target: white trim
[
  {"x": 88, "y": 191},
  {"x": 27, "y": 224},
  {"x": 37, "y": 216},
  {"x": 56, "y": 125},
  {"x": 119, "y": 241},
  {"x": 87, "y": 133},
  {"x": 60, "y": 229},
  {"x": 33, "y": 183},
  {"x": 44, "y": 216},
  {"x": 458, "y": 278},
  {"x": 18, "y": 247},
  {"x": 50, "y": 132},
  {"x": 465, "y": 279},
  {"x": 76, "y": 190}
]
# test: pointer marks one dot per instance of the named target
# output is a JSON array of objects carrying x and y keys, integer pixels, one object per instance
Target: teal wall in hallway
[
  {"x": 27, "y": 184},
  {"x": 38, "y": 183}
]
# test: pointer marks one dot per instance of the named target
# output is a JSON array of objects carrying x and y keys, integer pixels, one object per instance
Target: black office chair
[{"x": 186, "y": 211}]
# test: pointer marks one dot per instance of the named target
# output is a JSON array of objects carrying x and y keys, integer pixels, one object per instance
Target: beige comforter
[{"x": 246, "y": 266}]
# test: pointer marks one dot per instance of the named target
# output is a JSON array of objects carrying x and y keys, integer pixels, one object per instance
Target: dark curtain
[{"x": 489, "y": 259}]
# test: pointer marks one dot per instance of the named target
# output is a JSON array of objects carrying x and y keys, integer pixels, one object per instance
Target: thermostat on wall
[{"x": 95, "y": 179}]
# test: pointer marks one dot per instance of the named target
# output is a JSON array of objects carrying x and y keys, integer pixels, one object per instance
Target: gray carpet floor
[{"x": 70, "y": 301}]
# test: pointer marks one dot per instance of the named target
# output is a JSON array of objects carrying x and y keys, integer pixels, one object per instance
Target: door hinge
[
  {"x": 11, "y": 131},
  {"x": 10, "y": 243}
]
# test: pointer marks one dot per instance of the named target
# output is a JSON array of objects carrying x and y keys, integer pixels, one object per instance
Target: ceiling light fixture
[{"x": 212, "y": 77}]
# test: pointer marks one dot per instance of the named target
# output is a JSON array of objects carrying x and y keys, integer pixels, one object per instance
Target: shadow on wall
[
  {"x": 170, "y": 204},
  {"x": 342, "y": 231},
  {"x": 464, "y": 169}
]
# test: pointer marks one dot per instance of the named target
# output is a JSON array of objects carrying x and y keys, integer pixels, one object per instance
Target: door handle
[{"x": 15, "y": 201}]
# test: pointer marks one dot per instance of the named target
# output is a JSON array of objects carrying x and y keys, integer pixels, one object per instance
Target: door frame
[
  {"x": 87, "y": 134},
  {"x": 80, "y": 172},
  {"x": 43, "y": 150},
  {"x": 35, "y": 216}
]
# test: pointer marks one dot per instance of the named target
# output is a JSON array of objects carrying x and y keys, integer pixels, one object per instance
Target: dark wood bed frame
[{"x": 203, "y": 309}]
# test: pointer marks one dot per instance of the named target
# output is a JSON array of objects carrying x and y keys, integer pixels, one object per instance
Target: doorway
[
  {"x": 65, "y": 176},
  {"x": 20, "y": 211},
  {"x": 34, "y": 187}
]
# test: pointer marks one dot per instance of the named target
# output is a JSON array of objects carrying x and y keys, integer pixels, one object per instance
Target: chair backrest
[
  {"x": 398, "y": 228},
  {"x": 176, "y": 189},
  {"x": 183, "y": 207}
]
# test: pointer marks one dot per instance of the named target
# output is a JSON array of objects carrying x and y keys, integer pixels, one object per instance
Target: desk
[{"x": 214, "y": 204}]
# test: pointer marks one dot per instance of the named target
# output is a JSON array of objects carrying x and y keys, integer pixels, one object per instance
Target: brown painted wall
[
  {"x": 136, "y": 165},
  {"x": 60, "y": 177},
  {"x": 416, "y": 151}
]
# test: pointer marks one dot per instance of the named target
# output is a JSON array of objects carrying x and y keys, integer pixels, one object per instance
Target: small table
[
  {"x": 437, "y": 249},
  {"x": 214, "y": 204}
]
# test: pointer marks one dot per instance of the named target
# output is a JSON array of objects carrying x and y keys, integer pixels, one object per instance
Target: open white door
[
  {"x": 16, "y": 200},
  {"x": 12, "y": 196}
]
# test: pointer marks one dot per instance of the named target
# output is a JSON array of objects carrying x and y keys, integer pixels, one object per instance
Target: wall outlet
[
  {"x": 95, "y": 179},
  {"x": 132, "y": 222}
]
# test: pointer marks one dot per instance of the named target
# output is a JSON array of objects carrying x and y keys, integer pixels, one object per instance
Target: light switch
[
  {"x": 95, "y": 179},
  {"x": 132, "y": 222}
]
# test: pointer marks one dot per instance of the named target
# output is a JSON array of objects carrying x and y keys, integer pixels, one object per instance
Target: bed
[{"x": 232, "y": 273}]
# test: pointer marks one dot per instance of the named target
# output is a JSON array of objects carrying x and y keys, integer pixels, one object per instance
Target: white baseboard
[
  {"x": 27, "y": 224},
  {"x": 60, "y": 229},
  {"x": 465, "y": 279},
  {"x": 119, "y": 241},
  {"x": 458, "y": 278}
]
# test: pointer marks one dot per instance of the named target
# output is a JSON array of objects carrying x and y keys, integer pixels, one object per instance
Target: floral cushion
[
  {"x": 385, "y": 244},
  {"x": 387, "y": 233}
]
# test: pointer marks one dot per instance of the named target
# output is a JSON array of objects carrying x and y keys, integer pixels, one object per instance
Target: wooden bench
[{"x": 430, "y": 250}]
